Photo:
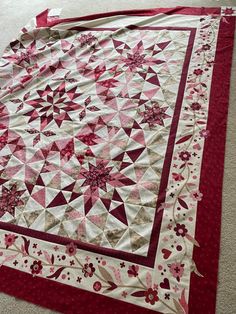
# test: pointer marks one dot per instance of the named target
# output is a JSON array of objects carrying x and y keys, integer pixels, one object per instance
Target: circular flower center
[{"x": 36, "y": 267}]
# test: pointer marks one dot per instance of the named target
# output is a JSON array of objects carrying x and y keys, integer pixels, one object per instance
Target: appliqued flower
[
  {"x": 184, "y": 155},
  {"x": 198, "y": 72},
  {"x": 9, "y": 239},
  {"x": 151, "y": 296},
  {"x": 177, "y": 176},
  {"x": 88, "y": 270},
  {"x": 177, "y": 270},
  {"x": 36, "y": 267},
  {"x": 180, "y": 230},
  {"x": 133, "y": 271},
  {"x": 206, "y": 47},
  {"x": 97, "y": 286},
  {"x": 195, "y": 106},
  {"x": 71, "y": 249},
  {"x": 196, "y": 195},
  {"x": 204, "y": 133}
]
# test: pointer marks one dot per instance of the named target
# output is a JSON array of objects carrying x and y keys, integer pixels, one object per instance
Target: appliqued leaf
[
  {"x": 113, "y": 286},
  {"x": 107, "y": 276},
  {"x": 9, "y": 258},
  {"x": 148, "y": 279},
  {"x": 206, "y": 26},
  {"x": 182, "y": 203},
  {"x": 191, "y": 239},
  {"x": 116, "y": 274},
  {"x": 138, "y": 294},
  {"x": 47, "y": 257},
  {"x": 26, "y": 245},
  {"x": 184, "y": 139},
  {"x": 178, "y": 307},
  {"x": 57, "y": 273},
  {"x": 195, "y": 270},
  {"x": 183, "y": 302}
]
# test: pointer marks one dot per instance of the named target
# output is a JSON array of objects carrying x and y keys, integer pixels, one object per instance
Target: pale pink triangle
[
  {"x": 139, "y": 137},
  {"x": 151, "y": 92},
  {"x": 56, "y": 179},
  {"x": 30, "y": 173},
  {"x": 11, "y": 171}
]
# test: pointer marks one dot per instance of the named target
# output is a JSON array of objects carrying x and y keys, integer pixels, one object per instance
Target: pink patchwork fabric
[{"x": 105, "y": 125}]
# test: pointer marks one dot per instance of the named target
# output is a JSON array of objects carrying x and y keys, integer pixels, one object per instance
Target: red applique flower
[
  {"x": 97, "y": 286},
  {"x": 206, "y": 47},
  {"x": 9, "y": 239},
  {"x": 195, "y": 106},
  {"x": 180, "y": 230},
  {"x": 177, "y": 270},
  {"x": 151, "y": 296},
  {"x": 204, "y": 133},
  {"x": 177, "y": 176},
  {"x": 185, "y": 155},
  {"x": 88, "y": 270},
  {"x": 71, "y": 249},
  {"x": 36, "y": 267},
  {"x": 198, "y": 72},
  {"x": 133, "y": 271}
]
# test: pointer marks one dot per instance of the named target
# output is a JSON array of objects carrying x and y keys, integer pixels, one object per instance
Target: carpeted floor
[{"x": 15, "y": 13}]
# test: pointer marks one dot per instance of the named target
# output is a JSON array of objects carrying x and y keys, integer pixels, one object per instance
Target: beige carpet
[{"x": 15, "y": 13}]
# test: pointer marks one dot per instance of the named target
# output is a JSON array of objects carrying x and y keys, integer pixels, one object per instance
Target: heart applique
[
  {"x": 165, "y": 284},
  {"x": 166, "y": 253}
]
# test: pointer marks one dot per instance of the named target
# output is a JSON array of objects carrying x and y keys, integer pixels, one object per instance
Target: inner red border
[{"x": 148, "y": 260}]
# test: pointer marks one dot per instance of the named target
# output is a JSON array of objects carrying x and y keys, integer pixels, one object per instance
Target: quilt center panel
[{"x": 83, "y": 152}]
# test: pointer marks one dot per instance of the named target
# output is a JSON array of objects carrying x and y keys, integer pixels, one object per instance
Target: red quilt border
[
  {"x": 203, "y": 290},
  {"x": 64, "y": 298}
]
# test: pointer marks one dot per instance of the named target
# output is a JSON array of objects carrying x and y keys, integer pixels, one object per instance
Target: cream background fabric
[{"x": 15, "y": 14}]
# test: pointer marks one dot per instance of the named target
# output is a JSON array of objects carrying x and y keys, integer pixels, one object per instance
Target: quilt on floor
[{"x": 112, "y": 132}]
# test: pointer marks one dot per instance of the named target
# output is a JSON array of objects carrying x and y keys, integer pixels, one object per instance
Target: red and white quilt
[{"x": 112, "y": 132}]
